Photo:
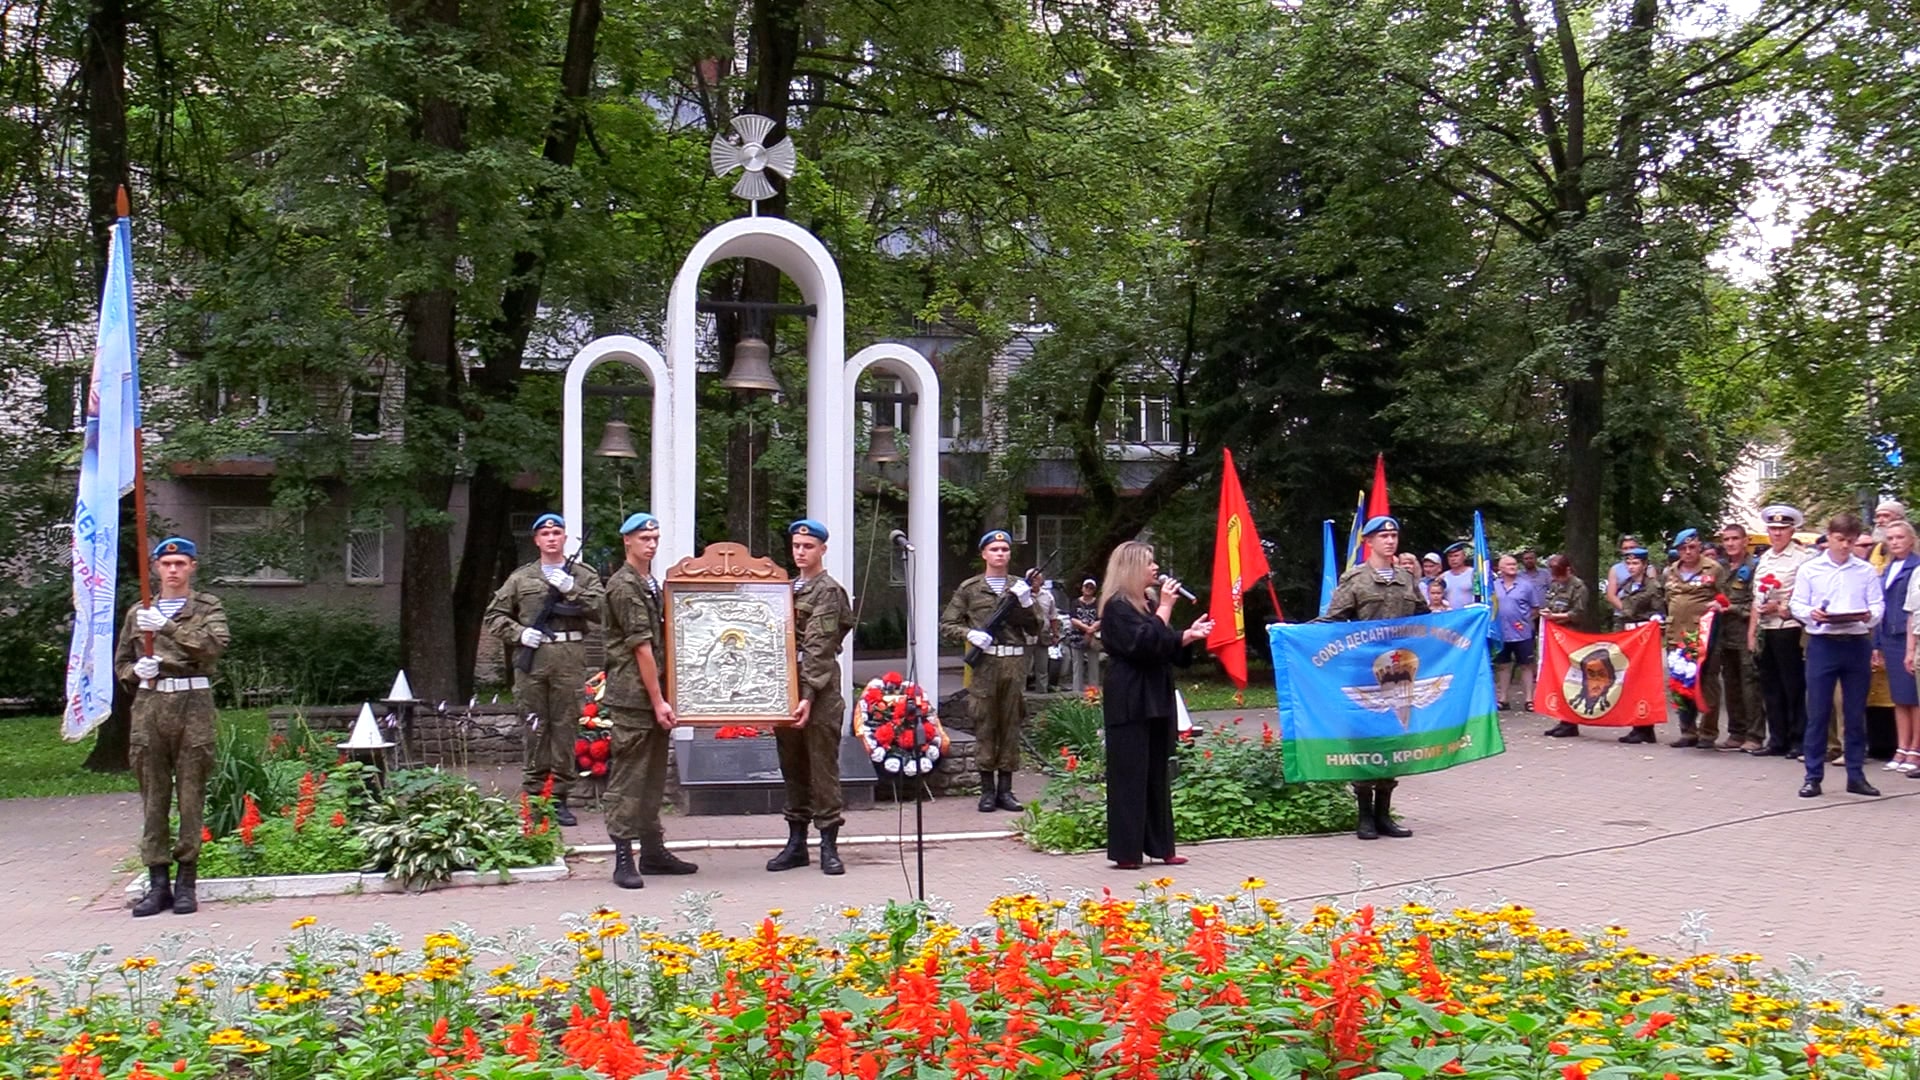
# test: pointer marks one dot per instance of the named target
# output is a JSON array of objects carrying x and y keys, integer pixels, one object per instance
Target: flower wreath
[
  {"x": 595, "y": 744},
  {"x": 898, "y": 728},
  {"x": 1685, "y": 660}
]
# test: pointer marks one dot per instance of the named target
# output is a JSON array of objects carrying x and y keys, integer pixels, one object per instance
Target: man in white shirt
[
  {"x": 1774, "y": 638},
  {"x": 1459, "y": 575},
  {"x": 1839, "y": 598}
]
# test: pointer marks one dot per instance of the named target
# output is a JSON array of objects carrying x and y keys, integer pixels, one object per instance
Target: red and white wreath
[
  {"x": 594, "y": 747},
  {"x": 897, "y": 726}
]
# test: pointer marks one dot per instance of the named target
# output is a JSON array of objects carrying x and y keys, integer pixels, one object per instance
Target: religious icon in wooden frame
[{"x": 731, "y": 657}]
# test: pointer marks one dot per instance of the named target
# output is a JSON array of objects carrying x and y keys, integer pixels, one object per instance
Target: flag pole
[{"x": 124, "y": 209}]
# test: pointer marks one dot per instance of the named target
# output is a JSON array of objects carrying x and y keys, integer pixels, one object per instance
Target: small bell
[
  {"x": 881, "y": 447},
  {"x": 752, "y": 369},
  {"x": 616, "y": 441}
]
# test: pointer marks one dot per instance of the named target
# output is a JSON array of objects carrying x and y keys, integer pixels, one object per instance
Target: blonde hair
[{"x": 1126, "y": 566}]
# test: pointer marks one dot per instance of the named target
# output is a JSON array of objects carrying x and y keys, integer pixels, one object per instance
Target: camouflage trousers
[
  {"x": 548, "y": 698},
  {"x": 171, "y": 750},
  {"x": 810, "y": 763},
  {"x": 636, "y": 776},
  {"x": 1000, "y": 710}
]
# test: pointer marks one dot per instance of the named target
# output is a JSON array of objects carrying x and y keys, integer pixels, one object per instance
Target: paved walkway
[{"x": 1585, "y": 831}]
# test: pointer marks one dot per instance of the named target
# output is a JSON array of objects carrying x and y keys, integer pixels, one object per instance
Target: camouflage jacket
[
  {"x": 1362, "y": 597},
  {"x": 190, "y": 645},
  {"x": 524, "y": 593},
  {"x": 973, "y": 604},
  {"x": 822, "y": 618},
  {"x": 1640, "y": 599},
  {"x": 1567, "y": 596},
  {"x": 1689, "y": 597},
  {"x": 630, "y": 610}
]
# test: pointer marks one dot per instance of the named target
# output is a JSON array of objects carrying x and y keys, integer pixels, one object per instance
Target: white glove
[
  {"x": 1022, "y": 592},
  {"x": 147, "y": 667},
  {"x": 559, "y": 579},
  {"x": 532, "y": 638},
  {"x": 149, "y": 619},
  {"x": 980, "y": 638}
]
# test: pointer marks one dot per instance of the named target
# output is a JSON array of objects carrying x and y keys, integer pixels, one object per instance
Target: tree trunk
[
  {"x": 424, "y": 224},
  {"x": 103, "y": 74},
  {"x": 505, "y": 346}
]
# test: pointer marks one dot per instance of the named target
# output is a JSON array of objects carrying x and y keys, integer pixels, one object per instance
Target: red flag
[
  {"x": 1376, "y": 499},
  {"x": 1238, "y": 561},
  {"x": 1609, "y": 680}
]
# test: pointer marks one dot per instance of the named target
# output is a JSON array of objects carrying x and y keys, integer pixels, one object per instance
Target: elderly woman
[{"x": 1137, "y": 704}]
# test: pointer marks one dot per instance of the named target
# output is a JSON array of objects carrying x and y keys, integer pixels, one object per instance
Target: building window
[
  {"x": 1769, "y": 468},
  {"x": 364, "y": 407},
  {"x": 1142, "y": 416},
  {"x": 367, "y": 556},
  {"x": 1056, "y": 536},
  {"x": 254, "y": 545},
  {"x": 1019, "y": 529},
  {"x": 231, "y": 399},
  {"x": 62, "y": 386},
  {"x": 963, "y": 418}
]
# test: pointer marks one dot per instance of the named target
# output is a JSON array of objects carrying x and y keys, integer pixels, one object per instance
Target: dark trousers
[
  {"x": 1783, "y": 687},
  {"x": 1140, "y": 790},
  {"x": 810, "y": 764},
  {"x": 1848, "y": 661}
]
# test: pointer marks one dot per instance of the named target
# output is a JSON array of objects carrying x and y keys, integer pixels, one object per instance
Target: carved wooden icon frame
[{"x": 731, "y": 657}]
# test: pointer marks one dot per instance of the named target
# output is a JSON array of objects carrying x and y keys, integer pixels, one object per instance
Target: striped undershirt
[
  {"x": 997, "y": 584},
  {"x": 171, "y": 608}
]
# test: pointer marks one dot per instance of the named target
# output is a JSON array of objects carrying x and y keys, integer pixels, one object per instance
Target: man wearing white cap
[
  {"x": 1083, "y": 647},
  {"x": 1774, "y": 635}
]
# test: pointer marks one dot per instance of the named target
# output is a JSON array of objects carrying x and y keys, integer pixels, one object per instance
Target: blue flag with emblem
[
  {"x": 1354, "y": 539},
  {"x": 1483, "y": 574},
  {"x": 1329, "y": 569},
  {"x": 1373, "y": 700},
  {"x": 106, "y": 473}
]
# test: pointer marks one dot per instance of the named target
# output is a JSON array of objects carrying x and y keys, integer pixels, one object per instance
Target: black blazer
[{"x": 1142, "y": 652}]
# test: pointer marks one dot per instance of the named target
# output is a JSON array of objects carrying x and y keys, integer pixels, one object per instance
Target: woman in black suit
[{"x": 1136, "y": 702}]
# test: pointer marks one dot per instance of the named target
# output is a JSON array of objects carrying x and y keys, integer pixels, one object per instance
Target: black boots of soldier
[
  {"x": 563, "y": 815},
  {"x": 794, "y": 855},
  {"x": 653, "y": 860},
  {"x": 996, "y": 793},
  {"x": 1376, "y": 814},
  {"x": 163, "y": 895},
  {"x": 625, "y": 874}
]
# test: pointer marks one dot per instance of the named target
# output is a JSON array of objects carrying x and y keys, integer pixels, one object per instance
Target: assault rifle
[
  {"x": 1008, "y": 602},
  {"x": 556, "y": 604}
]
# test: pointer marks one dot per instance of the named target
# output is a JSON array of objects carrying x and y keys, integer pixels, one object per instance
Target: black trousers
[
  {"x": 1140, "y": 790},
  {"x": 1783, "y": 687}
]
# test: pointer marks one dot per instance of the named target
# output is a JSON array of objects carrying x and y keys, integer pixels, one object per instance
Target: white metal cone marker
[
  {"x": 366, "y": 733},
  {"x": 401, "y": 691}
]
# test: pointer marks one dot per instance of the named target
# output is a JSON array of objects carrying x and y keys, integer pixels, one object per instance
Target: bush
[
  {"x": 432, "y": 823},
  {"x": 307, "y": 654},
  {"x": 1225, "y": 785},
  {"x": 1074, "y": 724},
  {"x": 36, "y": 623}
]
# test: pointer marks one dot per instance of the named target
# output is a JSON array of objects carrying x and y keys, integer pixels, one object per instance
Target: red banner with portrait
[{"x": 1607, "y": 680}]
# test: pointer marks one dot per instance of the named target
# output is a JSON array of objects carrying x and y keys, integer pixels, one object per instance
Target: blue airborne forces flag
[{"x": 1372, "y": 700}]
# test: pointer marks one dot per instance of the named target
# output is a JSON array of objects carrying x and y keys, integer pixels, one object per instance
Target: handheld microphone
[
  {"x": 1182, "y": 590},
  {"x": 900, "y": 541}
]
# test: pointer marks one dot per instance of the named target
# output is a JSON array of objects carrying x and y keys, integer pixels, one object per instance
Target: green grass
[
  {"x": 1212, "y": 694},
  {"x": 36, "y": 763}
]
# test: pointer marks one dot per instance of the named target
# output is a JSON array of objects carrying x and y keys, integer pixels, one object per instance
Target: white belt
[
  {"x": 1005, "y": 650},
  {"x": 175, "y": 686},
  {"x": 566, "y": 635}
]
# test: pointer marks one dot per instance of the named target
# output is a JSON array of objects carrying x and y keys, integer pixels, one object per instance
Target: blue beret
[
  {"x": 808, "y": 527},
  {"x": 1638, "y": 553},
  {"x": 1458, "y": 545},
  {"x": 639, "y": 521},
  {"x": 176, "y": 545},
  {"x": 1374, "y": 525},
  {"x": 995, "y": 536},
  {"x": 1685, "y": 535},
  {"x": 545, "y": 520}
]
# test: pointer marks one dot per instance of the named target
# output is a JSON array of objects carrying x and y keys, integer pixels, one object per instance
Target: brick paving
[{"x": 1585, "y": 831}]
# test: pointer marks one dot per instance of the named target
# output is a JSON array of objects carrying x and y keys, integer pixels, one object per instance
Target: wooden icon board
[{"x": 731, "y": 657}]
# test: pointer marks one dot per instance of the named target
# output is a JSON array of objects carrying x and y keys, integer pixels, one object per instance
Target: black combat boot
[
  {"x": 830, "y": 863},
  {"x": 624, "y": 874},
  {"x": 1382, "y": 814},
  {"x": 656, "y": 859},
  {"x": 795, "y": 853},
  {"x": 1364, "y": 826},
  {"x": 563, "y": 815},
  {"x": 988, "y": 792},
  {"x": 159, "y": 896},
  {"x": 184, "y": 900},
  {"x": 1003, "y": 797}
]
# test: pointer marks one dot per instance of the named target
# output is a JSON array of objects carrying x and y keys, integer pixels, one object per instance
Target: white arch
[
  {"x": 663, "y": 447},
  {"x": 923, "y": 493}
]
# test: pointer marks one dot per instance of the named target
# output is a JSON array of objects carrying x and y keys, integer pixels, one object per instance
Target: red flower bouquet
[{"x": 896, "y": 724}]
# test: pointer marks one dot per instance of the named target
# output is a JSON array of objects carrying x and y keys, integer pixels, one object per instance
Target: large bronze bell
[{"x": 752, "y": 369}]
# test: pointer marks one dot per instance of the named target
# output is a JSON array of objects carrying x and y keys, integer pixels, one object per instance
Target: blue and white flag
[
  {"x": 1483, "y": 575},
  {"x": 1372, "y": 700},
  {"x": 106, "y": 473}
]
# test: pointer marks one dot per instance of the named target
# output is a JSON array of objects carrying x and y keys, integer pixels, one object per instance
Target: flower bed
[
  {"x": 1225, "y": 785},
  {"x": 419, "y": 829},
  {"x": 1134, "y": 989}
]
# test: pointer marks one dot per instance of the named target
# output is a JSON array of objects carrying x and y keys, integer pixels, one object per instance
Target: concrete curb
[
  {"x": 282, "y": 886},
  {"x": 845, "y": 841}
]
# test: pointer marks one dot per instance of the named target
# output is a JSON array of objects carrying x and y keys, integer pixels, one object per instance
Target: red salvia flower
[
  {"x": 834, "y": 1047},
  {"x": 523, "y": 1039},
  {"x": 338, "y": 820},
  {"x": 965, "y": 1053},
  {"x": 1654, "y": 1023},
  {"x": 309, "y": 793},
  {"x": 249, "y": 819}
]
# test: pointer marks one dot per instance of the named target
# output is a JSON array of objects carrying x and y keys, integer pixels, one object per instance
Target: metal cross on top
[{"x": 746, "y": 149}]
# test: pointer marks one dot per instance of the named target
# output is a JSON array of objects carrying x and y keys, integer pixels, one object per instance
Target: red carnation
[
  {"x": 905, "y": 741},
  {"x": 892, "y": 677},
  {"x": 601, "y": 748},
  {"x": 599, "y": 768},
  {"x": 581, "y": 746},
  {"x": 884, "y": 734},
  {"x": 591, "y": 708},
  {"x": 585, "y": 760}
]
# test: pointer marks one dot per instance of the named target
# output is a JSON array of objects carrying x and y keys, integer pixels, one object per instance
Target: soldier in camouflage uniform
[
  {"x": 1691, "y": 583},
  {"x": 1376, "y": 589},
  {"x": 548, "y": 696},
  {"x": 171, "y": 744},
  {"x": 637, "y": 706},
  {"x": 1567, "y": 599},
  {"x": 1739, "y": 677},
  {"x": 810, "y": 749},
  {"x": 1637, "y": 599},
  {"x": 999, "y": 683}
]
